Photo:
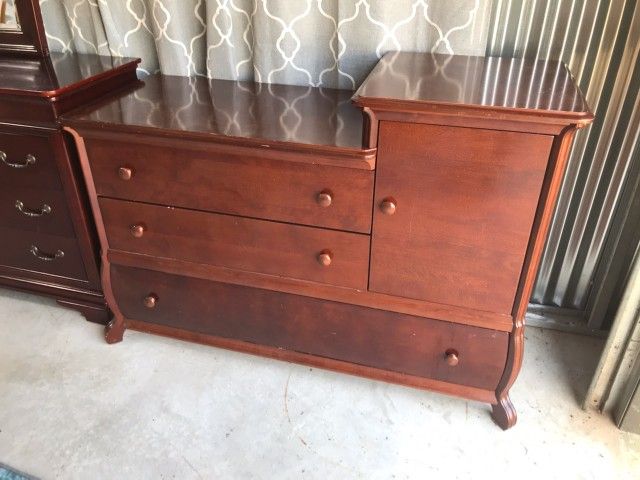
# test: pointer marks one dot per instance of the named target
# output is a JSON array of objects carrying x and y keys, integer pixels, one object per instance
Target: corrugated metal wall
[{"x": 599, "y": 41}]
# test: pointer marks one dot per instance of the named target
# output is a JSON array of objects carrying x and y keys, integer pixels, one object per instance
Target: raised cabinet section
[{"x": 453, "y": 213}]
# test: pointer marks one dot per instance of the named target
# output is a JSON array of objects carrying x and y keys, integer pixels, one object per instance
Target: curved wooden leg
[
  {"x": 114, "y": 331},
  {"x": 504, "y": 413}
]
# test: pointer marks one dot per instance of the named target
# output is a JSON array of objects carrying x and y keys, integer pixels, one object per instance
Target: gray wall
[{"x": 599, "y": 40}]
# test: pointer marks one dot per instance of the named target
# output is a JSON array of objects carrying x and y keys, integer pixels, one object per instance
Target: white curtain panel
[{"x": 330, "y": 43}]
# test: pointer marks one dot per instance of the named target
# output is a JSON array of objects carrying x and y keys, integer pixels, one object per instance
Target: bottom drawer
[
  {"x": 365, "y": 336},
  {"x": 39, "y": 252}
]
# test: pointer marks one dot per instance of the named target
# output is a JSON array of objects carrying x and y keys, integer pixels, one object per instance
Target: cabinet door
[{"x": 465, "y": 201}]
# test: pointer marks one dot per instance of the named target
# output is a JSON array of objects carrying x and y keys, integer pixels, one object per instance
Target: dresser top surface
[
  {"x": 542, "y": 87},
  {"x": 56, "y": 74},
  {"x": 225, "y": 108}
]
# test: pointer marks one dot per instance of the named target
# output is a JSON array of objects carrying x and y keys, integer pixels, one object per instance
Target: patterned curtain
[{"x": 331, "y": 43}]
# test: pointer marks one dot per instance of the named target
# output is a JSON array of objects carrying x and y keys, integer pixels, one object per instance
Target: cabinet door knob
[
  {"x": 451, "y": 357},
  {"x": 325, "y": 257},
  {"x": 125, "y": 173},
  {"x": 151, "y": 300},
  {"x": 137, "y": 230},
  {"x": 324, "y": 198},
  {"x": 388, "y": 206}
]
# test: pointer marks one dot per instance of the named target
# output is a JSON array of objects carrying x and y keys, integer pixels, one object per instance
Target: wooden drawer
[
  {"x": 53, "y": 254},
  {"x": 376, "y": 338},
  {"x": 35, "y": 209},
  {"x": 27, "y": 160},
  {"x": 240, "y": 243},
  {"x": 458, "y": 231},
  {"x": 238, "y": 184}
]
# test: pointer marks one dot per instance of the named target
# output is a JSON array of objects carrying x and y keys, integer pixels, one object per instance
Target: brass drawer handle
[
  {"x": 44, "y": 210},
  {"x": 46, "y": 257},
  {"x": 29, "y": 160}
]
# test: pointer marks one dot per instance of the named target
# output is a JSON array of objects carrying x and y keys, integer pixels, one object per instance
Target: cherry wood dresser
[
  {"x": 49, "y": 244},
  {"x": 393, "y": 234}
]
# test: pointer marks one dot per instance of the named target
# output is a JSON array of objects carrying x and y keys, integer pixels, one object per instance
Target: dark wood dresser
[
  {"x": 400, "y": 245},
  {"x": 49, "y": 244}
]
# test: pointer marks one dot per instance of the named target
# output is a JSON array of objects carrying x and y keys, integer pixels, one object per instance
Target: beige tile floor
[{"x": 72, "y": 407}]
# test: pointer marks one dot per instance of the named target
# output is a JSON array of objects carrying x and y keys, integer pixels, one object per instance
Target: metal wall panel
[{"x": 599, "y": 41}]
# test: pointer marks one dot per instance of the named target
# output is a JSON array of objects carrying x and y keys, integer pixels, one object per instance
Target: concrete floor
[{"x": 73, "y": 407}]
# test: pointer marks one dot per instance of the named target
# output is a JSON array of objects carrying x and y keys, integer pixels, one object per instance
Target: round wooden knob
[
  {"x": 451, "y": 357},
  {"x": 125, "y": 173},
  {"x": 137, "y": 230},
  {"x": 324, "y": 258},
  {"x": 388, "y": 206},
  {"x": 151, "y": 300},
  {"x": 324, "y": 198}
]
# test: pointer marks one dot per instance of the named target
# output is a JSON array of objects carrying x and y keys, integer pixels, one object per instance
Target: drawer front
[
  {"x": 40, "y": 252},
  {"x": 452, "y": 225},
  {"x": 306, "y": 253},
  {"x": 35, "y": 209},
  {"x": 27, "y": 160},
  {"x": 371, "y": 337},
  {"x": 250, "y": 186}
]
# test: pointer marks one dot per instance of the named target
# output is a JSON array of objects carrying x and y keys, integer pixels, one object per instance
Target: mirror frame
[{"x": 29, "y": 37}]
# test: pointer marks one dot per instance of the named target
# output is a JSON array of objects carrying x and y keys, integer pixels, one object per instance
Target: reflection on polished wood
[
  {"x": 276, "y": 113},
  {"x": 49, "y": 76},
  {"x": 502, "y": 85}
]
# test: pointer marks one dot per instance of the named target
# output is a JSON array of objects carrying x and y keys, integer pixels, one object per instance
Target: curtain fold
[{"x": 331, "y": 43}]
